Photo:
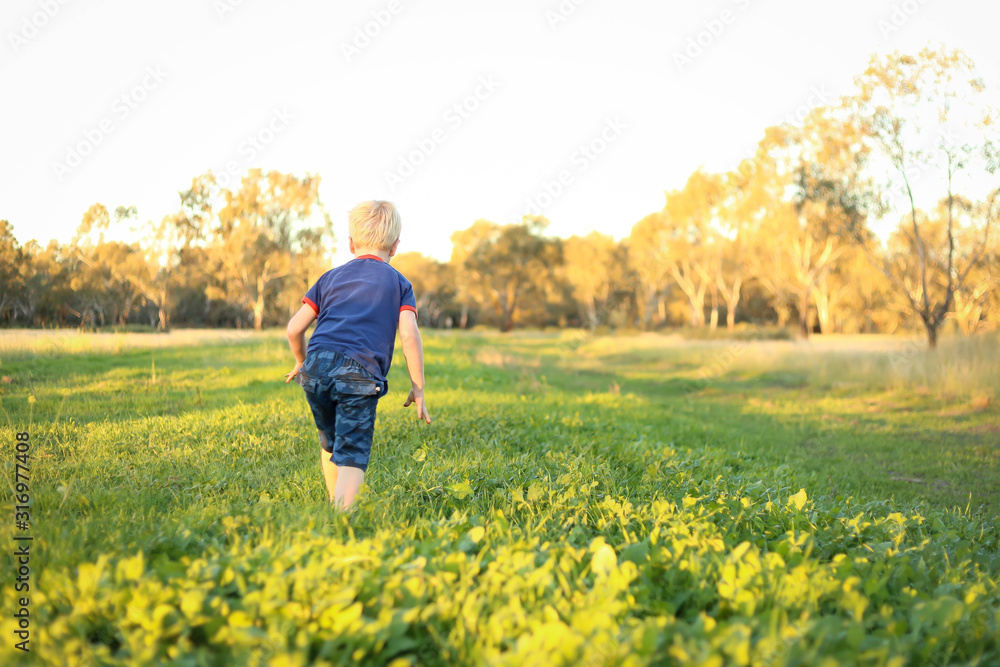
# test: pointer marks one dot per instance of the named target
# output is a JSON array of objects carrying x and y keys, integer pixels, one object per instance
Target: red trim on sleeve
[
  {"x": 309, "y": 301},
  {"x": 370, "y": 257},
  {"x": 411, "y": 308}
]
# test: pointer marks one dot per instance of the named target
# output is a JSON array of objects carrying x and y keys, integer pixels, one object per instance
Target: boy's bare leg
[
  {"x": 329, "y": 472},
  {"x": 349, "y": 481}
]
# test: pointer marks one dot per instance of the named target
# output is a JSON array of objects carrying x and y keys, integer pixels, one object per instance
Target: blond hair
[{"x": 375, "y": 224}]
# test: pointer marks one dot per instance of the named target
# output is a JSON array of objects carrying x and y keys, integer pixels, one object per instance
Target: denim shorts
[{"x": 342, "y": 395}]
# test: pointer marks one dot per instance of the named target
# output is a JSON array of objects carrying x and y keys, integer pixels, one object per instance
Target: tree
[
  {"x": 957, "y": 220},
  {"x": 789, "y": 262},
  {"x": 504, "y": 265},
  {"x": 594, "y": 267},
  {"x": 45, "y": 278},
  {"x": 259, "y": 233},
  {"x": 103, "y": 282},
  {"x": 469, "y": 290},
  {"x": 810, "y": 181},
  {"x": 918, "y": 111},
  {"x": 147, "y": 269},
  {"x": 648, "y": 272},
  {"x": 834, "y": 186},
  {"x": 764, "y": 181},
  {"x": 829, "y": 291},
  {"x": 858, "y": 297},
  {"x": 165, "y": 242},
  {"x": 433, "y": 284},
  {"x": 977, "y": 303},
  {"x": 744, "y": 205},
  {"x": 686, "y": 244},
  {"x": 12, "y": 259}
]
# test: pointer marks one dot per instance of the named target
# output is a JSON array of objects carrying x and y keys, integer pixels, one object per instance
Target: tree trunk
[
  {"x": 932, "y": 334},
  {"x": 714, "y": 322},
  {"x": 258, "y": 315},
  {"x": 783, "y": 313},
  {"x": 697, "y": 310},
  {"x": 804, "y": 315},
  {"x": 591, "y": 314},
  {"x": 731, "y": 305},
  {"x": 646, "y": 306},
  {"x": 507, "y": 321},
  {"x": 732, "y": 299},
  {"x": 164, "y": 313},
  {"x": 824, "y": 312},
  {"x": 258, "y": 307}
]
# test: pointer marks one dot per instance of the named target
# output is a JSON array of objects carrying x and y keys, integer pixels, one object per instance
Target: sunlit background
[{"x": 319, "y": 99}]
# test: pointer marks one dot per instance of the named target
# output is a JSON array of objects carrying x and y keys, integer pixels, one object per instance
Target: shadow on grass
[
  {"x": 908, "y": 452},
  {"x": 144, "y": 383}
]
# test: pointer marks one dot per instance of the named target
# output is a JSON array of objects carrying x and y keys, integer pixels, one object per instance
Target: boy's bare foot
[{"x": 350, "y": 509}]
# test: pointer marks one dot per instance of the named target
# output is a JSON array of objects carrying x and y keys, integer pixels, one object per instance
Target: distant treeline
[{"x": 783, "y": 239}]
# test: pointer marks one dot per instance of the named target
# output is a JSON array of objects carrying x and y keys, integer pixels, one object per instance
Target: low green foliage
[{"x": 568, "y": 506}]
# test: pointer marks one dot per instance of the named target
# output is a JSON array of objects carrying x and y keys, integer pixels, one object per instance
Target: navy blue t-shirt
[{"x": 357, "y": 307}]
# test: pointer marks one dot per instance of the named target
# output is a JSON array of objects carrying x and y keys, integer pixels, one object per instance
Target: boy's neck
[{"x": 381, "y": 254}]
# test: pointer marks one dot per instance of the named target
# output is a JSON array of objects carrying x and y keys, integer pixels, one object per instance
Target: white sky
[{"x": 558, "y": 88}]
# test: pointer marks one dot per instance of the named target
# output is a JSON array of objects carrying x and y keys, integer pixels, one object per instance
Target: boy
[{"x": 358, "y": 307}]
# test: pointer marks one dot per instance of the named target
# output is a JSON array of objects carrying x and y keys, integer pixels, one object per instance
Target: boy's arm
[
  {"x": 413, "y": 351},
  {"x": 296, "y": 331}
]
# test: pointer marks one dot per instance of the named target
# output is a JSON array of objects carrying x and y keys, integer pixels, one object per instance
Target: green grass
[{"x": 578, "y": 500}]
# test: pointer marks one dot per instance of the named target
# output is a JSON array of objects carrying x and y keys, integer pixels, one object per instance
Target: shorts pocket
[
  {"x": 305, "y": 381},
  {"x": 356, "y": 387}
]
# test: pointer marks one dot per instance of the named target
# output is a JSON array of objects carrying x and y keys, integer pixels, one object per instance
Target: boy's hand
[
  {"x": 295, "y": 371},
  {"x": 417, "y": 396}
]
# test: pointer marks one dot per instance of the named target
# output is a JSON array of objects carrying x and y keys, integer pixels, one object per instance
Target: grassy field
[{"x": 578, "y": 500}]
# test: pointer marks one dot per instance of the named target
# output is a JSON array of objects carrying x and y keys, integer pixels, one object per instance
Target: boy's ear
[
  {"x": 350, "y": 242},
  {"x": 392, "y": 250}
]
